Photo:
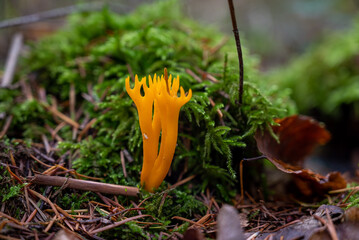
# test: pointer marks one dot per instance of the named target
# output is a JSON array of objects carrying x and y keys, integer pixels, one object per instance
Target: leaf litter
[{"x": 265, "y": 220}]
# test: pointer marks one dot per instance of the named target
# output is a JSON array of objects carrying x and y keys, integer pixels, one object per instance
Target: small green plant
[
  {"x": 13, "y": 191},
  {"x": 354, "y": 198},
  {"x": 75, "y": 200},
  {"x": 169, "y": 203}
]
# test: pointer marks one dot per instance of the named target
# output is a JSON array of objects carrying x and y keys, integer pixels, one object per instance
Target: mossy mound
[{"x": 81, "y": 70}]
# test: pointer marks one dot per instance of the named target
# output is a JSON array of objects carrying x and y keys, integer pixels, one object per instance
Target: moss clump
[{"x": 95, "y": 53}]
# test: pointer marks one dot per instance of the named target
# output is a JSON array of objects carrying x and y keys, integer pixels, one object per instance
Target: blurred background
[{"x": 274, "y": 30}]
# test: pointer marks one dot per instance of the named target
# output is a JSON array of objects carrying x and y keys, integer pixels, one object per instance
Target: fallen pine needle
[
  {"x": 32, "y": 215},
  {"x": 63, "y": 212},
  {"x": 46, "y": 200},
  {"x": 48, "y": 227},
  {"x": 37, "y": 160},
  {"x": 4, "y": 215},
  {"x": 331, "y": 227},
  {"x": 286, "y": 225},
  {"x": 204, "y": 218},
  {"x": 8, "y": 238},
  {"x": 6, "y": 126},
  {"x": 59, "y": 114},
  {"x": 182, "y": 181},
  {"x": 189, "y": 221},
  {"x": 343, "y": 190},
  {"x": 116, "y": 224},
  {"x": 86, "y": 128},
  {"x": 13, "y": 175}
]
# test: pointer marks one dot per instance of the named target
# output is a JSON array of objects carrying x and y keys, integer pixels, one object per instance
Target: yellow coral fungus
[{"x": 158, "y": 110}]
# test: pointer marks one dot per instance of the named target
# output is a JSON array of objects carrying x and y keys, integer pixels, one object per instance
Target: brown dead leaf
[
  {"x": 311, "y": 183},
  {"x": 298, "y": 137}
]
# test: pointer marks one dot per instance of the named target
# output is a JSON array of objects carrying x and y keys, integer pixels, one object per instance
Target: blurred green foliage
[
  {"x": 326, "y": 77},
  {"x": 13, "y": 192}
]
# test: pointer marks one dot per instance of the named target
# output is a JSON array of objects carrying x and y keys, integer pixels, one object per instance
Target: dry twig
[
  {"x": 116, "y": 224},
  {"x": 12, "y": 60},
  {"x": 65, "y": 118},
  {"x": 85, "y": 185},
  {"x": 6, "y": 126},
  {"x": 239, "y": 50}
]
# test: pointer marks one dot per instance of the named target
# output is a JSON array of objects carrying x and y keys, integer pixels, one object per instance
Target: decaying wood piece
[{"x": 85, "y": 185}]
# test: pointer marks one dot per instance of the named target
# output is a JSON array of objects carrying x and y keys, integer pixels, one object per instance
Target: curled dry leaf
[
  {"x": 298, "y": 136},
  {"x": 311, "y": 183}
]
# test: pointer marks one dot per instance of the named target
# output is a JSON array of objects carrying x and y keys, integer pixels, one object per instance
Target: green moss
[
  {"x": 13, "y": 192},
  {"x": 8, "y": 190},
  {"x": 73, "y": 201},
  {"x": 354, "y": 198}
]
